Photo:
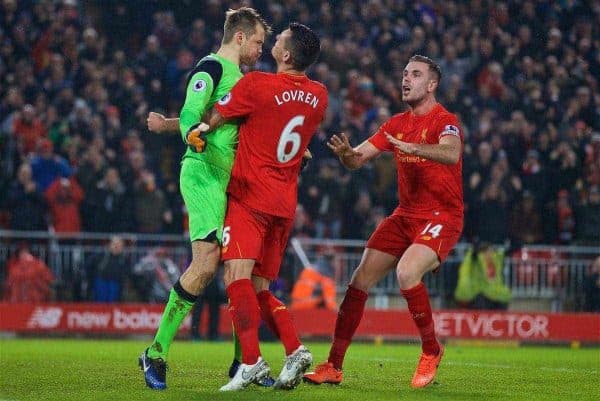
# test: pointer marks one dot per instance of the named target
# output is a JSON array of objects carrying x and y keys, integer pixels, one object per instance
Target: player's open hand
[
  {"x": 340, "y": 145},
  {"x": 196, "y": 137},
  {"x": 156, "y": 122},
  {"x": 404, "y": 147}
]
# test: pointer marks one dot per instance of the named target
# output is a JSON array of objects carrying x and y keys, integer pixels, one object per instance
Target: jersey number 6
[{"x": 289, "y": 136}]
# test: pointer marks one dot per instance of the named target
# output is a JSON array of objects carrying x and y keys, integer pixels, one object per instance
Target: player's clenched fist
[
  {"x": 341, "y": 146},
  {"x": 156, "y": 122},
  {"x": 196, "y": 137}
]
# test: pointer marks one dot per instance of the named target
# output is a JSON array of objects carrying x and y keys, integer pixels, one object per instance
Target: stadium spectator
[
  {"x": 46, "y": 167},
  {"x": 526, "y": 221},
  {"x": 107, "y": 271},
  {"x": 492, "y": 214},
  {"x": 28, "y": 278},
  {"x": 27, "y": 206},
  {"x": 149, "y": 205},
  {"x": 315, "y": 286},
  {"x": 480, "y": 279},
  {"x": 587, "y": 218},
  {"x": 592, "y": 287},
  {"x": 28, "y": 129},
  {"x": 64, "y": 197},
  {"x": 111, "y": 210},
  {"x": 154, "y": 275}
]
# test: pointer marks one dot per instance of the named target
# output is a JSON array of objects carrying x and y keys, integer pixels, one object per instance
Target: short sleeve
[
  {"x": 379, "y": 140},
  {"x": 448, "y": 125},
  {"x": 240, "y": 101}
]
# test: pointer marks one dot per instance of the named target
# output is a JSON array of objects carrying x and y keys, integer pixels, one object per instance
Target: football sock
[
  {"x": 279, "y": 320},
  {"x": 237, "y": 348},
  {"x": 179, "y": 304},
  {"x": 245, "y": 313},
  {"x": 265, "y": 312},
  {"x": 348, "y": 319},
  {"x": 420, "y": 309}
]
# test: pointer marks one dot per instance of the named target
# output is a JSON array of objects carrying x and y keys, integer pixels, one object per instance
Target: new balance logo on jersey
[{"x": 45, "y": 318}]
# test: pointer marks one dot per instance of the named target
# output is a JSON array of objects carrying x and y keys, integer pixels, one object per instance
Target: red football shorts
[
  {"x": 250, "y": 234},
  {"x": 396, "y": 233}
]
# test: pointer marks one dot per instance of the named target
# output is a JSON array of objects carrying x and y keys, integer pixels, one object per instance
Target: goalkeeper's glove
[{"x": 196, "y": 137}]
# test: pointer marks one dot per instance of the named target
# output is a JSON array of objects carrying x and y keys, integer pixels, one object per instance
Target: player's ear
[
  {"x": 432, "y": 85},
  {"x": 287, "y": 57},
  {"x": 239, "y": 37}
]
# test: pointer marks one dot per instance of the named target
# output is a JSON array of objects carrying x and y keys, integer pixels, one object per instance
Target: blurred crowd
[{"x": 78, "y": 78}]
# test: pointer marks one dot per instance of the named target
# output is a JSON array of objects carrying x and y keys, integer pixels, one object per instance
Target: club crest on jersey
[
  {"x": 225, "y": 99},
  {"x": 199, "y": 85},
  {"x": 451, "y": 130}
]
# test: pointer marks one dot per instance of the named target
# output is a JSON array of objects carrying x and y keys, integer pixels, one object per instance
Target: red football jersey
[
  {"x": 280, "y": 113},
  {"x": 426, "y": 189}
]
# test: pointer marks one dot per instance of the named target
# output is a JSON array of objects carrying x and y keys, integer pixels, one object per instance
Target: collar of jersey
[{"x": 224, "y": 60}]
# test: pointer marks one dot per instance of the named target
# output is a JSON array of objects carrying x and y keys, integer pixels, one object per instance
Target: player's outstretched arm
[
  {"x": 352, "y": 158},
  {"x": 159, "y": 124},
  {"x": 447, "y": 151}
]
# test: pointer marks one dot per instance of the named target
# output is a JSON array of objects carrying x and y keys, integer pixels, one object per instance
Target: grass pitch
[{"x": 81, "y": 370}]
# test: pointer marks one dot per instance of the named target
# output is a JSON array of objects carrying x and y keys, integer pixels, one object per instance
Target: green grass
[{"x": 81, "y": 370}]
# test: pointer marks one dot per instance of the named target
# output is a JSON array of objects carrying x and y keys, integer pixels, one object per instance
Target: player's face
[
  {"x": 417, "y": 82},
  {"x": 251, "y": 47},
  {"x": 279, "y": 49}
]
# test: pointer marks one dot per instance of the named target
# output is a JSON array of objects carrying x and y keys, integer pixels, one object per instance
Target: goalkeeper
[{"x": 205, "y": 171}]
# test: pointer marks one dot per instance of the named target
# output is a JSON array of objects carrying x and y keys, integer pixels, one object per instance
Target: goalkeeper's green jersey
[{"x": 211, "y": 79}]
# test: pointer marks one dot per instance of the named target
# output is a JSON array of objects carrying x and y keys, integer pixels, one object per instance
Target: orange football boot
[
  {"x": 426, "y": 369},
  {"x": 324, "y": 373}
]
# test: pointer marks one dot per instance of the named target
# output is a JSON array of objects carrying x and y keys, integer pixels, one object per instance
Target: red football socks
[
  {"x": 349, "y": 316},
  {"x": 279, "y": 320},
  {"x": 245, "y": 313},
  {"x": 420, "y": 309}
]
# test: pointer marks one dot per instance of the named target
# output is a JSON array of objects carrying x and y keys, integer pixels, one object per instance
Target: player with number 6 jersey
[{"x": 280, "y": 113}]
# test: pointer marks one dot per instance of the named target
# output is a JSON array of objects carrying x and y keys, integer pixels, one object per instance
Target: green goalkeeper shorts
[{"x": 203, "y": 189}]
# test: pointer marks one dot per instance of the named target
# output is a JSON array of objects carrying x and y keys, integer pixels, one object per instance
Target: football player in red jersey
[
  {"x": 280, "y": 113},
  {"x": 427, "y": 144}
]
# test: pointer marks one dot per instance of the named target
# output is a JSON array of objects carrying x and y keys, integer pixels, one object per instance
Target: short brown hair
[
  {"x": 433, "y": 66},
  {"x": 243, "y": 19}
]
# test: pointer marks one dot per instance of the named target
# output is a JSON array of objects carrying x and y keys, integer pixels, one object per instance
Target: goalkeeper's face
[{"x": 251, "y": 46}]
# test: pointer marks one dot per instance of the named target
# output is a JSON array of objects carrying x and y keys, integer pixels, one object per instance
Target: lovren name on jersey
[{"x": 297, "y": 96}]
